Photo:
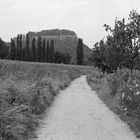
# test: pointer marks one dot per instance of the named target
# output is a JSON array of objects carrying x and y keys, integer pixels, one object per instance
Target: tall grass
[{"x": 26, "y": 90}]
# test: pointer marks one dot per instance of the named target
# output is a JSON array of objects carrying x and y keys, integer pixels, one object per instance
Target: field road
[{"x": 78, "y": 114}]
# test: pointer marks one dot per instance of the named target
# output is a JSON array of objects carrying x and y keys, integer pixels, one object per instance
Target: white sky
[{"x": 85, "y": 17}]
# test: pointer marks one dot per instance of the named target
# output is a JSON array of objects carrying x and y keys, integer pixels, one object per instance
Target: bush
[{"x": 113, "y": 82}]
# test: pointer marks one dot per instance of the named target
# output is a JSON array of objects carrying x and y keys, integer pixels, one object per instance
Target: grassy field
[
  {"x": 121, "y": 93},
  {"x": 26, "y": 90}
]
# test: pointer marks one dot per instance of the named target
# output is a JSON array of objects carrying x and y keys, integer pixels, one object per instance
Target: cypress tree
[
  {"x": 33, "y": 50},
  {"x": 43, "y": 50},
  {"x": 17, "y": 48},
  {"x": 20, "y": 48},
  {"x": 52, "y": 52},
  {"x": 13, "y": 50},
  {"x": 27, "y": 50},
  {"x": 79, "y": 52},
  {"x": 47, "y": 52},
  {"x": 39, "y": 49}
]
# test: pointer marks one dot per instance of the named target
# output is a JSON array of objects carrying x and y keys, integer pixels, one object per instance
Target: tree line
[
  {"x": 42, "y": 52},
  {"x": 38, "y": 50},
  {"x": 121, "y": 46}
]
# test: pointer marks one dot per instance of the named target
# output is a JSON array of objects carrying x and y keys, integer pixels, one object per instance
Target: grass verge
[{"x": 121, "y": 93}]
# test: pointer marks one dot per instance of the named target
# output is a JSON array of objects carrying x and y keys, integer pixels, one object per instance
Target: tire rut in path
[{"x": 78, "y": 114}]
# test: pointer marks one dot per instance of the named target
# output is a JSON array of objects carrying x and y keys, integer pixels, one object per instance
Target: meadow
[
  {"x": 27, "y": 89},
  {"x": 121, "y": 93}
]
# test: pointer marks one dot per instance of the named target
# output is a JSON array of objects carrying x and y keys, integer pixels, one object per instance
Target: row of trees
[
  {"x": 121, "y": 46},
  {"x": 37, "y": 50},
  {"x": 42, "y": 52}
]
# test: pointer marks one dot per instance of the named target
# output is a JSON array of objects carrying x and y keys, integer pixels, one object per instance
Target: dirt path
[{"x": 78, "y": 114}]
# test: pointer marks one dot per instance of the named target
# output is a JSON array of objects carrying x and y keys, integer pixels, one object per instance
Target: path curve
[{"x": 78, "y": 114}]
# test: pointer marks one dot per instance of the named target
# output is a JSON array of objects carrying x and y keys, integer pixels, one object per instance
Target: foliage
[
  {"x": 51, "y": 52},
  {"x": 62, "y": 58},
  {"x": 39, "y": 49},
  {"x": 65, "y": 42},
  {"x": 95, "y": 79},
  {"x": 34, "y": 50},
  {"x": 44, "y": 51},
  {"x": 79, "y": 52},
  {"x": 47, "y": 52},
  {"x": 3, "y": 49},
  {"x": 27, "y": 48},
  {"x": 124, "y": 88},
  {"x": 121, "y": 46},
  {"x": 13, "y": 50}
]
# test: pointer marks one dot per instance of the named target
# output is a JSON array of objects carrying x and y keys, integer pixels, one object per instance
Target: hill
[{"x": 65, "y": 42}]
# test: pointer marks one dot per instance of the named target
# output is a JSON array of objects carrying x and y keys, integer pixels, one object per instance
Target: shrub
[{"x": 113, "y": 82}]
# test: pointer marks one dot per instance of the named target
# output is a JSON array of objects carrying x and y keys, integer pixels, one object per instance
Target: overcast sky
[{"x": 85, "y": 17}]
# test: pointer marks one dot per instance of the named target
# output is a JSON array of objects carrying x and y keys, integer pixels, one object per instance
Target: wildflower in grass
[{"x": 137, "y": 93}]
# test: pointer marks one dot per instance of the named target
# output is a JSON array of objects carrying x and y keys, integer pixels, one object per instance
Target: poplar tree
[
  {"x": 52, "y": 51},
  {"x": 27, "y": 50},
  {"x": 17, "y": 48},
  {"x": 47, "y": 52},
  {"x": 39, "y": 49},
  {"x": 13, "y": 50},
  {"x": 44, "y": 50},
  {"x": 20, "y": 48},
  {"x": 33, "y": 50},
  {"x": 79, "y": 52}
]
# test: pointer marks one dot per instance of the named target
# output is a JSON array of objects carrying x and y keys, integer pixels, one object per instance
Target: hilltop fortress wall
[{"x": 57, "y": 37}]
